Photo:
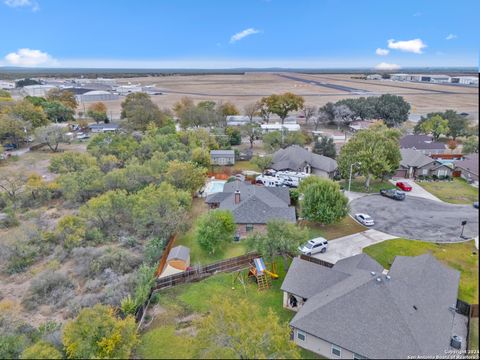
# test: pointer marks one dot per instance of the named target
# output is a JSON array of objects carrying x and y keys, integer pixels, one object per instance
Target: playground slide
[{"x": 261, "y": 268}]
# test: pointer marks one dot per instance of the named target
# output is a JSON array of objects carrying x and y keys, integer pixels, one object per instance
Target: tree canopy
[
  {"x": 215, "y": 229},
  {"x": 435, "y": 125},
  {"x": 325, "y": 146},
  {"x": 283, "y": 104},
  {"x": 139, "y": 111}
]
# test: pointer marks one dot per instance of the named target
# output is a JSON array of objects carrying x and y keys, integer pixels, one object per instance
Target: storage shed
[{"x": 179, "y": 257}]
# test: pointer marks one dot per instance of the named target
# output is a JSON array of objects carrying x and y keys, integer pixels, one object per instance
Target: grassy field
[
  {"x": 358, "y": 185},
  {"x": 473, "y": 336},
  {"x": 457, "y": 191},
  {"x": 245, "y": 165},
  {"x": 346, "y": 226},
  {"x": 171, "y": 336},
  {"x": 460, "y": 256}
]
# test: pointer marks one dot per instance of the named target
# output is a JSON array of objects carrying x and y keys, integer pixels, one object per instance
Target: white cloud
[
  {"x": 30, "y": 58},
  {"x": 242, "y": 34},
  {"x": 451, "y": 37},
  {"x": 413, "y": 46},
  {"x": 22, "y": 3},
  {"x": 387, "y": 66},
  {"x": 382, "y": 52}
]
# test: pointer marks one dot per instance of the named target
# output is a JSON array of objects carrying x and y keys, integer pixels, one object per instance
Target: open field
[
  {"x": 456, "y": 192},
  {"x": 249, "y": 87},
  {"x": 461, "y": 256}
]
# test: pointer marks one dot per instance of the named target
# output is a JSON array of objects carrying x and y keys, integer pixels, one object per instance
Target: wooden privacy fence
[
  {"x": 202, "y": 272},
  {"x": 316, "y": 261}
]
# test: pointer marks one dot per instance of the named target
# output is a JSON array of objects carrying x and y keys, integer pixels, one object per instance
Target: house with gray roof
[
  {"x": 414, "y": 164},
  {"x": 468, "y": 168},
  {"x": 296, "y": 158},
  {"x": 358, "y": 310},
  {"x": 423, "y": 143},
  {"x": 253, "y": 206},
  {"x": 222, "y": 157}
]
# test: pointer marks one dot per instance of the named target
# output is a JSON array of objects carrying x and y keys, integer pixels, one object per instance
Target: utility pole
[{"x": 350, "y": 177}]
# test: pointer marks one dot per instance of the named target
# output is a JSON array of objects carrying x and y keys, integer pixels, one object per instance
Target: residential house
[
  {"x": 296, "y": 158},
  {"x": 101, "y": 128},
  {"x": 253, "y": 206},
  {"x": 222, "y": 157},
  {"x": 414, "y": 163},
  {"x": 279, "y": 127},
  {"x": 359, "y": 125},
  {"x": 468, "y": 168},
  {"x": 423, "y": 143},
  {"x": 357, "y": 310},
  {"x": 239, "y": 120}
]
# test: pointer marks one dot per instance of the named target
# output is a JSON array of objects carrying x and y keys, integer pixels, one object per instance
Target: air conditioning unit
[{"x": 456, "y": 342}]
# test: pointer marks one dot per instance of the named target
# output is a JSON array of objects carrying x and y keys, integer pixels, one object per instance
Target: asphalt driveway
[{"x": 418, "y": 218}]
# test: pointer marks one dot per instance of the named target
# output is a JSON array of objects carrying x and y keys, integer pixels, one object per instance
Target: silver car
[{"x": 364, "y": 219}]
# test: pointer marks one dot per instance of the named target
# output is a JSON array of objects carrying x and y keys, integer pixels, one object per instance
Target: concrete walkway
[
  {"x": 352, "y": 245},
  {"x": 417, "y": 190},
  {"x": 351, "y": 195}
]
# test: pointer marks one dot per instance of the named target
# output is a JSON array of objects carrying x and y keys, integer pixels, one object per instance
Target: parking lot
[{"x": 418, "y": 218}]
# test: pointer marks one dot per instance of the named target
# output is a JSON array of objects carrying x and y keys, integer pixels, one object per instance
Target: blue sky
[{"x": 236, "y": 33}]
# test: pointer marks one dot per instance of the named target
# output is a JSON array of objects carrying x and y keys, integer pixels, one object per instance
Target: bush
[
  {"x": 41, "y": 350},
  {"x": 71, "y": 231},
  {"x": 51, "y": 288},
  {"x": 118, "y": 260},
  {"x": 215, "y": 229}
]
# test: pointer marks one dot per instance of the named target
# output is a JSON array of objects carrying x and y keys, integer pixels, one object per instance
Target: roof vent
[
  {"x": 379, "y": 279},
  {"x": 388, "y": 277},
  {"x": 372, "y": 273},
  {"x": 415, "y": 307}
]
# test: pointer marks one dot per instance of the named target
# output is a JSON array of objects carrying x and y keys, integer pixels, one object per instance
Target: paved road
[
  {"x": 323, "y": 84},
  {"x": 417, "y": 190},
  {"x": 417, "y": 218},
  {"x": 352, "y": 245}
]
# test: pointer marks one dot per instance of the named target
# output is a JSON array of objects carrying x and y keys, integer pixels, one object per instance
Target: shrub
[
  {"x": 128, "y": 306},
  {"x": 71, "y": 231},
  {"x": 118, "y": 260},
  {"x": 41, "y": 350},
  {"x": 50, "y": 287},
  {"x": 215, "y": 229}
]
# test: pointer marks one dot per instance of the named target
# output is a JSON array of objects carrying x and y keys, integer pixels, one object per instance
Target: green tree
[
  {"x": 13, "y": 130},
  {"x": 252, "y": 131},
  {"x": 98, "y": 112},
  {"x": 71, "y": 231},
  {"x": 139, "y": 110},
  {"x": 281, "y": 239},
  {"x": 325, "y": 146},
  {"x": 122, "y": 146},
  {"x": 64, "y": 97},
  {"x": 201, "y": 157},
  {"x": 436, "y": 125},
  {"x": 29, "y": 113},
  {"x": 82, "y": 185},
  {"x": 363, "y": 108},
  {"x": 375, "y": 151},
  {"x": 58, "y": 112},
  {"x": 52, "y": 135},
  {"x": 71, "y": 162},
  {"x": 234, "y": 135},
  {"x": 470, "y": 145},
  {"x": 392, "y": 109},
  {"x": 323, "y": 202},
  {"x": 283, "y": 104},
  {"x": 98, "y": 333},
  {"x": 185, "y": 175},
  {"x": 457, "y": 124},
  {"x": 262, "y": 162},
  {"x": 227, "y": 108},
  {"x": 215, "y": 229},
  {"x": 240, "y": 329},
  {"x": 41, "y": 350}
]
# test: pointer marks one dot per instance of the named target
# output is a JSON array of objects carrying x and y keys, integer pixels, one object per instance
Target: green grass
[
  {"x": 457, "y": 191},
  {"x": 245, "y": 165},
  {"x": 164, "y": 338},
  {"x": 189, "y": 239},
  {"x": 358, "y": 185},
  {"x": 346, "y": 226},
  {"x": 459, "y": 256},
  {"x": 473, "y": 336}
]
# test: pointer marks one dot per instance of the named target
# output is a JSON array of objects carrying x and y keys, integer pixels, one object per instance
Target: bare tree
[
  {"x": 343, "y": 115},
  {"x": 252, "y": 110},
  {"x": 308, "y": 112},
  {"x": 322, "y": 118},
  {"x": 52, "y": 135},
  {"x": 12, "y": 185}
]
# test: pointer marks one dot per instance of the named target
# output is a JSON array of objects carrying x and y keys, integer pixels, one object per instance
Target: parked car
[
  {"x": 9, "y": 147},
  {"x": 317, "y": 245},
  {"x": 404, "y": 186},
  {"x": 365, "y": 219},
  {"x": 82, "y": 135},
  {"x": 393, "y": 194}
]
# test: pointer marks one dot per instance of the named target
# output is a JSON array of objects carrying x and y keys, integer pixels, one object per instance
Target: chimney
[{"x": 237, "y": 196}]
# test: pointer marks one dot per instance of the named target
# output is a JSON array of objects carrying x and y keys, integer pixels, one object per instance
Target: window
[
  {"x": 336, "y": 351},
  {"x": 249, "y": 227},
  {"x": 424, "y": 171},
  {"x": 301, "y": 335},
  {"x": 442, "y": 172}
]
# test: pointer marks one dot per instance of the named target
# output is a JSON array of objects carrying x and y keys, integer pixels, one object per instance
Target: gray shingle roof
[
  {"x": 222, "y": 152},
  {"x": 406, "y": 315},
  {"x": 257, "y": 205},
  {"x": 295, "y": 158},
  {"x": 420, "y": 142},
  {"x": 469, "y": 163},
  {"x": 179, "y": 252},
  {"x": 414, "y": 158},
  {"x": 361, "y": 261}
]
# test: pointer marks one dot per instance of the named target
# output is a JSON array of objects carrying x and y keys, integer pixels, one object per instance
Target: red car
[{"x": 404, "y": 186}]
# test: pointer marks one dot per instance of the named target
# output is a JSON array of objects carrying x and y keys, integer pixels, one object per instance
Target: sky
[{"x": 382, "y": 34}]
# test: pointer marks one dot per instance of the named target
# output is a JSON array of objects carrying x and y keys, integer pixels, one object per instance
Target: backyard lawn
[
  {"x": 457, "y": 191},
  {"x": 460, "y": 256},
  {"x": 358, "y": 185},
  {"x": 473, "y": 336},
  {"x": 197, "y": 254},
  {"x": 245, "y": 165},
  {"x": 346, "y": 226},
  {"x": 171, "y": 333}
]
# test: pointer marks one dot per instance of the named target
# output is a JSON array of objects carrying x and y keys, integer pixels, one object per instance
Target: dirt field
[{"x": 243, "y": 89}]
